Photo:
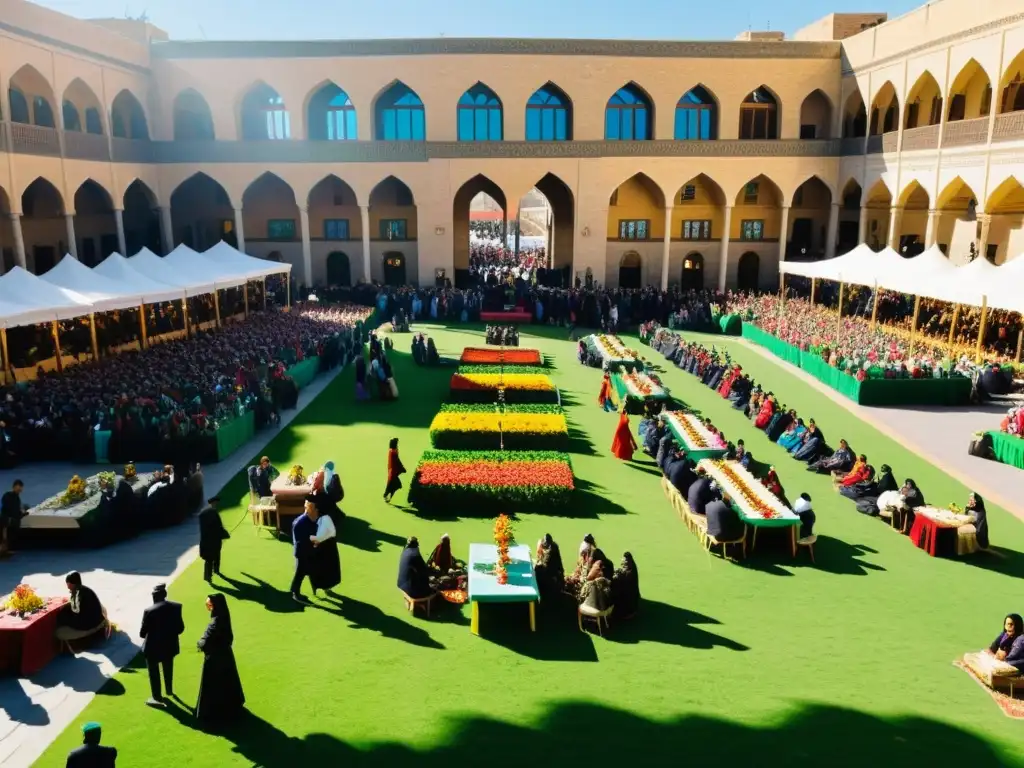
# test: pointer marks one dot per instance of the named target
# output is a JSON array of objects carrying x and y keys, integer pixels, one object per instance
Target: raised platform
[{"x": 506, "y": 317}]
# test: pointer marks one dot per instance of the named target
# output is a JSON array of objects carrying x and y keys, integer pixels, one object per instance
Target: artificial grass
[{"x": 772, "y": 661}]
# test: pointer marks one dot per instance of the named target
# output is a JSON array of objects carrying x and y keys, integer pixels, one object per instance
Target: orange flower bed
[{"x": 499, "y": 356}]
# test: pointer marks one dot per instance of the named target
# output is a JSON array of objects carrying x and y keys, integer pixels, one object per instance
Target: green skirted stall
[
  {"x": 634, "y": 405},
  {"x": 1009, "y": 449},
  {"x": 233, "y": 434},
  {"x": 303, "y": 373},
  {"x": 949, "y": 391},
  {"x": 730, "y": 325}
]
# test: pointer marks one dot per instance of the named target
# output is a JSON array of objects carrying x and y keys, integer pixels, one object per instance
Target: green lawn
[{"x": 773, "y": 661}]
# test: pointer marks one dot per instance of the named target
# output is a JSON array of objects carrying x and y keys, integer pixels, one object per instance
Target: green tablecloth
[
  {"x": 303, "y": 373},
  {"x": 730, "y": 324},
  {"x": 484, "y": 587},
  {"x": 232, "y": 435},
  {"x": 950, "y": 391},
  {"x": 709, "y": 453},
  {"x": 1009, "y": 449}
]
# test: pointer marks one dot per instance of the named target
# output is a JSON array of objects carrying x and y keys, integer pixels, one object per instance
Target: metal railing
[
  {"x": 1009, "y": 126},
  {"x": 86, "y": 146},
  {"x": 960, "y": 133},
  {"x": 922, "y": 137},
  {"x": 35, "y": 139}
]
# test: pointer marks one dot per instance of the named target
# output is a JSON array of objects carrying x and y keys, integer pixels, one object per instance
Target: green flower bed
[
  {"x": 512, "y": 428},
  {"x": 469, "y": 368},
  {"x": 482, "y": 408}
]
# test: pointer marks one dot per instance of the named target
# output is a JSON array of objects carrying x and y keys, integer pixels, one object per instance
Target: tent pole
[
  {"x": 216, "y": 306},
  {"x": 92, "y": 334},
  {"x": 288, "y": 293},
  {"x": 245, "y": 295},
  {"x": 913, "y": 323},
  {"x": 264, "y": 294},
  {"x": 3, "y": 346},
  {"x": 874, "y": 307},
  {"x": 782, "y": 289},
  {"x": 814, "y": 285},
  {"x": 1020, "y": 341},
  {"x": 142, "y": 326},
  {"x": 184, "y": 309},
  {"x": 839, "y": 319},
  {"x": 952, "y": 326},
  {"x": 55, "y": 330},
  {"x": 981, "y": 331}
]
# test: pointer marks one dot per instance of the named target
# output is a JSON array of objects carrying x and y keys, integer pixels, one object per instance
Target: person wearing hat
[
  {"x": 211, "y": 538},
  {"x": 161, "y": 626},
  {"x": 91, "y": 754}
]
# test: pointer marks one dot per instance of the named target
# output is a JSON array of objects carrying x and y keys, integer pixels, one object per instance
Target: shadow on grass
[
  {"x": 258, "y": 591},
  {"x": 999, "y": 559},
  {"x": 361, "y": 534},
  {"x": 362, "y": 615},
  {"x": 831, "y": 555},
  {"x": 809, "y": 732},
  {"x": 667, "y": 624}
]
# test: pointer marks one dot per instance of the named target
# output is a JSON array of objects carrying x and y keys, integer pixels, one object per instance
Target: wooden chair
[
  {"x": 424, "y": 602},
  {"x": 265, "y": 516},
  {"x": 807, "y": 541},
  {"x": 710, "y": 541},
  {"x": 585, "y": 612}
]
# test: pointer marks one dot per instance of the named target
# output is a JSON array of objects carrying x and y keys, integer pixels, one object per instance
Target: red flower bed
[
  {"x": 496, "y": 356},
  {"x": 495, "y": 474}
]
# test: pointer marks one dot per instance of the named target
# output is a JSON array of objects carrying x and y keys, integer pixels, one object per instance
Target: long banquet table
[{"x": 484, "y": 586}]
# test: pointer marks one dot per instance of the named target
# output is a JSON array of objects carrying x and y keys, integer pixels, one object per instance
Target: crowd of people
[
  {"x": 174, "y": 392},
  {"x": 1013, "y": 422},
  {"x": 491, "y": 263}
]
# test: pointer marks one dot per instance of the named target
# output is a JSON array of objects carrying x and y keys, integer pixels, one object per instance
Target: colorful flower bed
[
  {"x": 519, "y": 480},
  {"x": 483, "y": 427},
  {"x": 613, "y": 353},
  {"x": 483, "y": 388},
  {"x": 518, "y": 370},
  {"x": 500, "y": 355},
  {"x": 754, "y": 503}
]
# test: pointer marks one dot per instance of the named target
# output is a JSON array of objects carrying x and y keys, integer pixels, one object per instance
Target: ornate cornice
[
  {"x": 280, "y": 49},
  {"x": 72, "y": 48}
]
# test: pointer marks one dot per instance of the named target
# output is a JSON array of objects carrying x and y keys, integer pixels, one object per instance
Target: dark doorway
[
  {"x": 339, "y": 271},
  {"x": 802, "y": 239},
  {"x": 43, "y": 256},
  {"x": 747, "y": 273},
  {"x": 629, "y": 270},
  {"x": 394, "y": 268},
  {"x": 693, "y": 272}
]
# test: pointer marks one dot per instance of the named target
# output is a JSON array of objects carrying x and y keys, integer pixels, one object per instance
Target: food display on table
[
  {"x": 636, "y": 388},
  {"x": 753, "y": 501},
  {"x": 693, "y": 436},
  {"x": 613, "y": 353}
]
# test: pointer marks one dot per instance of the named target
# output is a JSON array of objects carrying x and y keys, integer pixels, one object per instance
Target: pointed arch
[
  {"x": 970, "y": 95},
  {"x": 885, "y": 110},
  {"x": 193, "y": 120},
  {"x": 924, "y": 102},
  {"x": 816, "y": 116},
  {"x": 43, "y": 210},
  {"x": 462, "y": 218},
  {"x": 81, "y": 108},
  {"x": 701, "y": 189},
  {"x": 202, "y": 213},
  {"x": 399, "y": 114},
  {"x": 629, "y": 115},
  {"x": 549, "y": 114},
  {"x": 479, "y": 115},
  {"x": 1008, "y": 194},
  {"x": 127, "y": 117},
  {"x": 636, "y": 211},
  {"x": 852, "y": 194},
  {"x": 806, "y": 234},
  {"x": 696, "y": 115},
  {"x": 914, "y": 196},
  {"x": 1011, "y": 86},
  {"x": 393, "y": 214},
  {"x": 42, "y": 197},
  {"x": 264, "y": 115},
  {"x": 855, "y": 116},
  {"x": 331, "y": 115},
  {"x": 95, "y": 227},
  {"x": 759, "y": 114},
  {"x": 563, "y": 230},
  {"x": 879, "y": 195},
  {"x": 698, "y": 209},
  {"x": 140, "y": 217},
  {"x": 32, "y": 98},
  {"x": 956, "y": 195},
  {"x": 692, "y": 278},
  {"x": 758, "y": 211},
  {"x": 331, "y": 190}
]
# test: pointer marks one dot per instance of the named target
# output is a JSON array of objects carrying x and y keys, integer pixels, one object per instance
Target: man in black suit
[
  {"x": 302, "y": 529},
  {"x": 211, "y": 538},
  {"x": 161, "y": 625},
  {"x": 91, "y": 754},
  {"x": 700, "y": 493}
]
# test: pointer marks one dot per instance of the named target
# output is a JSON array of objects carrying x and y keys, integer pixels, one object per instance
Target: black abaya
[
  {"x": 326, "y": 571},
  {"x": 220, "y": 689}
]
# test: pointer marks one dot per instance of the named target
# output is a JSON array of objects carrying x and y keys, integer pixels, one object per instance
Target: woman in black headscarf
[
  {"x": 220, "y": 689},
  {"x": 912, "y": 499},
  {"x": 549, "y": 570},
  {"x": 626, "y": 587},
  {"x": 976, "y": 507}
]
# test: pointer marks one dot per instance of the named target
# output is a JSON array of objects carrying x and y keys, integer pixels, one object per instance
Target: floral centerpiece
[
  {"x": 695, "y": 435},
  {"x": 130, "y": 473},
  {"x": 642, "y": 386},
  {"x": 23, "y": 600},
  {"x": 76, "y": 491},
  {"x": 955, "y": 509},
  {"x": 750, "y": 496},
  {"x": 504, "y": 537},
  {"x": 296, "y": 475}
]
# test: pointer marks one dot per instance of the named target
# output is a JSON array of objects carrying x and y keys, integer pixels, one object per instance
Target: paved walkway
[
  {"x": 938, "y": 434},
  {"x": 34, "y": 711}
]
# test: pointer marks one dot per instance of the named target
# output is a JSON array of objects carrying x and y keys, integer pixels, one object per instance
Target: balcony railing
[
  {"x": 86, "y": 146},
  {"x": 923, "y": 137},
  {"x": 132, "y": 150},
  {"x": 960, "y": 133},
  {"x": 1009, "y": 126},
  {"x": 891, "y": 141},
  {"x": 874, "y": 144},
  {"x": 35, "y": 139},
  {"x": 853, "y": 145}
]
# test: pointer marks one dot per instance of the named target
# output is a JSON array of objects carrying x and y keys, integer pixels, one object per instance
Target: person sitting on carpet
[
  {"x": 812, "y": 443},
  {"x": 780, "y": 423},
  {"x": 626, "y": 588},
  {"x": 866, "y": 494},
  {"x": 841, "y": 460},
  {"x": 766, "y": 412},
  {"x": 793, "y": 435},
  {"x": 84, "y": 615},
  {"x": 445, "y": 571},
  {"x": 413, "y": 574},
  {"x": 1005, "y": 656},
  {"x": 860, "y": 472},
  {"x": 548, "y": 569}
]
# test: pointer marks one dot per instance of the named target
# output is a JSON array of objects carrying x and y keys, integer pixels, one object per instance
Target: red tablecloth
[
  {"x": 935, "y": 539},
  {"x": 27, "y": 645},
  {"x": 505, "y": 317}
]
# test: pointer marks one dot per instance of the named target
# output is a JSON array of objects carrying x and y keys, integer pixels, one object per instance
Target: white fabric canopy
[
  {"x": 20, "y": 287},
  {"x": 13, "y": 315},
  {"x": 151, "y": 265},
  {"x": 187, "y": 262},
  {"x": 119, "y": 271},
  {"x": 104, "y": 294},
  {"x": 253, "y": 268}
]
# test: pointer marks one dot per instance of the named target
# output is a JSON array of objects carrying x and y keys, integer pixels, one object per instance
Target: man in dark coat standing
[
  {"x": 91, "y": 754},
  {"x": 305, "y": 553},
  {"x": 161, "y": 625},
  {"x": 211, "y": 538}
]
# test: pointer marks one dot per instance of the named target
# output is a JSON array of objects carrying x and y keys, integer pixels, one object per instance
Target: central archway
[
  {"x": 394, "y": 268},
  {"x": 478, "y": 206},
  {"x": 747, "y": 271},
  {"x": 693, "y": 272},
  {"x": 339, "y": 270}
]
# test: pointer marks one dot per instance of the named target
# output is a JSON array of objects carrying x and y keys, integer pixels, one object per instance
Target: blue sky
[{"x": 317, "y": 19}]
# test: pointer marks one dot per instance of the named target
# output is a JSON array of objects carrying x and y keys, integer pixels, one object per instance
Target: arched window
[
  {"x": 92, "y": 121},
  {"x": 759, "y": 116},
  {"x": 42, "y": 112},
  {"x": 264, "y": 116},
  {"x": 548, "y": 115},
  {"x": 695, "y": 116},
  {"x": 479, "y": 115},
  {"x": 72, "y": 122},
  {"x": 331, "y": 115},
  {"x": 192, "y": 118},
  {"x": 693, "y": 272},
  {"x": 400, "y": 115},
  {"x": 628, "y": 116},
  {"x": 339, "y": 270},
  {"x": 19, "y": 107}
]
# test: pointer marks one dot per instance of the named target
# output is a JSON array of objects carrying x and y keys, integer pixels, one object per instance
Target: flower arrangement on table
[
  {"x": 23, "y": 600},
  {"x": 504, "y": 537},
  {"x": 613, "y": 353},
  {"x": 695, "y": 435},
  {"x": 953, "y": 517},
  {"x": 76, "y": 491},
  {"x": 296, "y": 475},
  {"x": 130, "y": 473},
  {"x": 467, "y": 479},
  {"x": 469, "y": 426},
  {"x": 753, "y": 500},
  {"x": 506, "y": 356},
  {"x": 519, "y": 388},
  {"x": 88, "y": 499}
]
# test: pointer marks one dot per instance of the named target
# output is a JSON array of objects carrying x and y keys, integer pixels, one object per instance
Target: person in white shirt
[
  {"x": 805, "y": 512},
  {"x": 325, "y": 573}
]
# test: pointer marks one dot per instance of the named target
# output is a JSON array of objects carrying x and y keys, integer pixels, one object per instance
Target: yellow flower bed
[
  {"x": 537, "y": 423},
  {"x": 535, "y": 382}
]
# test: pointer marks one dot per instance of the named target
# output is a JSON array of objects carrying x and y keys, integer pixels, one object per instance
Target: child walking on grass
[{"x": 395, "y": 468}]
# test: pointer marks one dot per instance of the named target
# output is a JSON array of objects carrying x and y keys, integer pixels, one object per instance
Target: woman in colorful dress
[
  {"x": 791, "y": 438},
  {"x": 623, "y": 445},
  {"x": 767, "y": 410},
  {"x": 604, "y": 397},
  {"x": 395, "y": 468}
]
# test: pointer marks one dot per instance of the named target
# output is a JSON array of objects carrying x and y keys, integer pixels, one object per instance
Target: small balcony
[
  {"x": 923, "y": 137},
  {"x": 35, "y": 140},
  {"x": 86, "y": 146},
  {"x": 132, "y": 150},
  {"x": 891, "y": 141},
  {"x": 1009, "y": 127},
  {"x": 962, "y": 133},
  {"x": 853, "y": 145}
]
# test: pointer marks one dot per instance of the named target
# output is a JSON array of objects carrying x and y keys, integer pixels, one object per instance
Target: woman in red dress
[
  {"x": 623, "y": 445},
  {"x": 766, "y": 412},
  {"x": 728, "y": 381},
  {"x": 604, "y": 397},
  {"x": 395, "y": 468}
]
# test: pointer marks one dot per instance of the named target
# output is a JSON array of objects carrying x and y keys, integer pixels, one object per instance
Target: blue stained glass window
[
  {"x": 548, "y": 115},
  {"x": 400, "y": 115},
  {"x": 627, "y": 116},
  {"x": 479, "y": 115}
]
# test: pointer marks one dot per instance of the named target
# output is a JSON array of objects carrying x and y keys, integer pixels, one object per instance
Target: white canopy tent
[
  {"x": 19, "y": 286},
  {"x": 158, "y": 268},
  {"x": 13, "y": 314},
  {"x": 103, "y": 294},
  {"x": 189, "y": 263},
  {"x": 253, "y": 268},
  {"x": 119, "y": 271}
]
